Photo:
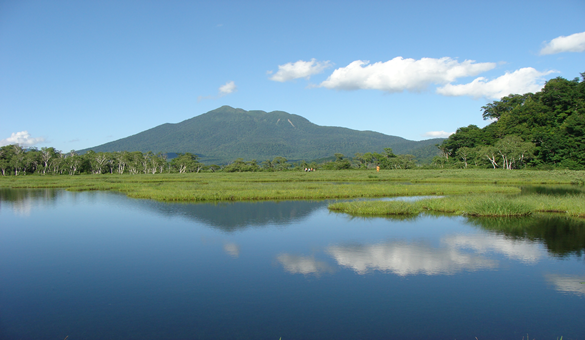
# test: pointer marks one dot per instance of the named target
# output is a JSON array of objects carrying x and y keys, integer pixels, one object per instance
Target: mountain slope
[{"x": 225, "y": 134}]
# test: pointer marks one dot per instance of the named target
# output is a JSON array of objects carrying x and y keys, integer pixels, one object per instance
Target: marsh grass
[
  {"x": 477, "y": 205},
  {"x": 471, "y": 192},
  {"x": 251, "y": 186},
  {"x": 572, "y": 205},
  {"x": 370, "y": 208},
  {"x": 485, "y": 205}
]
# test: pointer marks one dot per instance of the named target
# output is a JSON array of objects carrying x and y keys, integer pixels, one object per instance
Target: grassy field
[
  {"x": 255, "y": 186},
  {"x": 471, "y": 192}
]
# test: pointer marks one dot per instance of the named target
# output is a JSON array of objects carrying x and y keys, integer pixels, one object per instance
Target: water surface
[{"x": 98, "y": 265}]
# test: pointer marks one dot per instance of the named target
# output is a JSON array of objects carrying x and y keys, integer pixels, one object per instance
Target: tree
[
  {"x": 17, "y": 160},
  {"x": 73, "y": 161},
  {"x": 267, "y": 165},
  {"x": 490, "y": 153},
  {"x": 513, "y": 150},
  {"x": 46, "y": 155},
  {"x": 280, "y": 163},
  {"x": 388, "y": 153},
  {"x": 97, "y": 161},
  {"x": 6, "y": 155},
  {"x": 496, "y": 109},
  {"x": 186, "y": 162},
  {"x": 465, "y": 153},
  {"x": 340, "y": 162}
]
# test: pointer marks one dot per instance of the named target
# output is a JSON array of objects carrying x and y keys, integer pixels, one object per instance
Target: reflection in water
[
  {"x": 103, "y": 266},
  {"x": 557, "y": 190},
  {"x": 303, "y": 264},
  {"x": 22, "y": 208},
  {"x": 524, "y": 250},
  {"x": 562, "y": 236},
  {"x": 230, "y": 217},
  {"x": 232, "y": 249},
  {"x": 407, "y": 259},
  {"x": 568, "y": 284},
  {"x": 22, "y": 201}
]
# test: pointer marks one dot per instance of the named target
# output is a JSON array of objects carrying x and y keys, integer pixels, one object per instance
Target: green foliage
[
  {"x": 544, "y": 129},
  {"x": 17, "y": 161},
  {"x": 186, "y": 163}
]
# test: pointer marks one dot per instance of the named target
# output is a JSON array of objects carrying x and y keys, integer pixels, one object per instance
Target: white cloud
[
  {"x": 407, "y": 259},
  {"x": 518, "y": 82},
  {"x": 300, "y": 69},
  {"x": 21, "y": 138},
  {"x": 401, "y": 74},
  {"x": 303, "y": 264},
  {"x": 224, "y": 90},
  {"x": 573, "y": 43},
  {"x": 438, "y": 134},
  {"x": 229, "y": 87}
]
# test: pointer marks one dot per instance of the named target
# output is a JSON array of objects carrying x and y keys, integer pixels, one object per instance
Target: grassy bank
[
  {"x": 471, "y": 205},
  {"x": 301, "y": 185},
  {"x": 242, "y": 187},
  {"x": 478, "y": 176}
]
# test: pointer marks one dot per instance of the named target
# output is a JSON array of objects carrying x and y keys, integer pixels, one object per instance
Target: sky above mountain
[{"x": 75, "y": 74}]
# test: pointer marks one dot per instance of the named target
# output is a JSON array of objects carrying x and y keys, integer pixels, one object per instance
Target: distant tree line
[
  {"x": 15, "y": 160},
  {"x": 542, "y": 130},
  {"x": 18, "y": 161}
]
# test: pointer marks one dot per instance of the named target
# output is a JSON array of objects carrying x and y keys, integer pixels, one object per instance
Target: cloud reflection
[
  {"x": 22, "y": 208},
  {"x": 568, "y": 284},
  {"x": 405, "y": 259},
  {"x": 303, "y": 264},
  {"x": 232, "y": 249},
  {"x": 523, "y": 250}
]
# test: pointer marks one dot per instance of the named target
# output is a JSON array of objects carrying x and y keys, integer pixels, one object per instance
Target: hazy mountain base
[{"x": 225, "y": 134}]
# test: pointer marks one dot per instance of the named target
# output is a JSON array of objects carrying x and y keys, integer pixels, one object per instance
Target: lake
[{"x": 98, "y": 265}]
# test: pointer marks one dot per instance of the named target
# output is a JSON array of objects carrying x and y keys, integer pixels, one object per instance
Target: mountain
[{"x": 226, "y": 133}]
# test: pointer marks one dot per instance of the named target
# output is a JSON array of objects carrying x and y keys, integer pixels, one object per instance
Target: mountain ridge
[{"x": 227, "y": 133}]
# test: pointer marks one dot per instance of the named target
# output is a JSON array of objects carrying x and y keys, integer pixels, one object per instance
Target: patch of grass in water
[
  {"x": 364, "y": 208},
  {"x": 486, "y": 205}
]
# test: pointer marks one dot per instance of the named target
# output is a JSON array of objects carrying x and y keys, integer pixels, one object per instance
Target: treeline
[
  {"x": 542, "y": 130},
  {"x": 16, "y": 160},
  {"x": 368, "y": 160}
]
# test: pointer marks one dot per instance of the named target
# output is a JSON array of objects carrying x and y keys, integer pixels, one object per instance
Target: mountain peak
[
  {"x": 227, "y": 109},
  {"x": 227, "y": 133}
]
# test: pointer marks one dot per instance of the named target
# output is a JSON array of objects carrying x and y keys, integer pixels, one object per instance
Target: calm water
[{"x": 98, "y": 265}]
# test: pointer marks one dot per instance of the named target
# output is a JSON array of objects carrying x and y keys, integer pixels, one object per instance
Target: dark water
[{"x": 102, "y": 266}]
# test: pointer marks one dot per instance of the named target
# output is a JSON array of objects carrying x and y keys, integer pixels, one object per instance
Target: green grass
[
  {"x": 254, "y": 186},
  {"x": 327, "y": 185},
  {"x": 471, "y": 205}
]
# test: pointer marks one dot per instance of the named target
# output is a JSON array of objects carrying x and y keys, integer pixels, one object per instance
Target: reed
[
  {"x": 373, "y": 208},
  {"x": 491, "y": 205},
  {"x": 478, "y": 205}
]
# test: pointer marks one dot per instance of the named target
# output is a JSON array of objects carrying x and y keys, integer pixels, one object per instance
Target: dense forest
[{"x": 542, "y": 130}]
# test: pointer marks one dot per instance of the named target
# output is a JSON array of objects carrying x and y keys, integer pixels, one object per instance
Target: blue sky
[{"x": 76, "y": 74}]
